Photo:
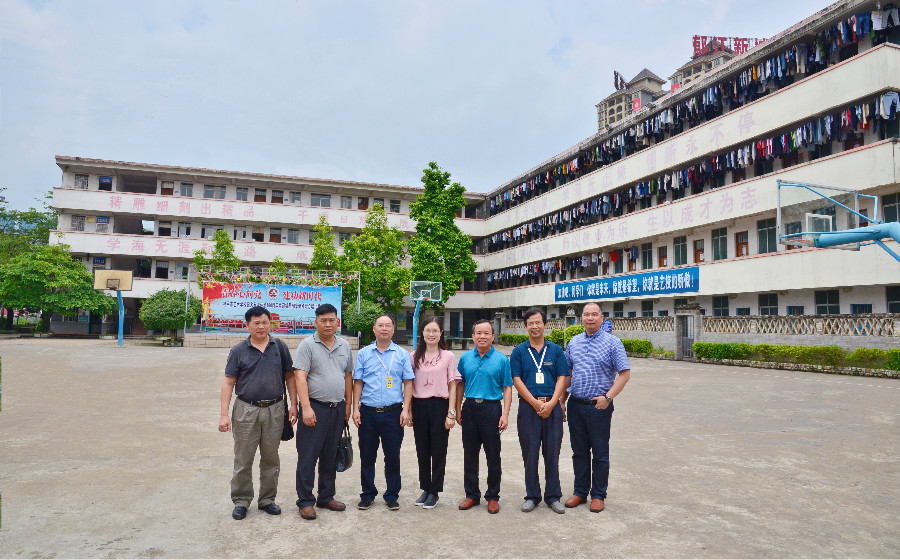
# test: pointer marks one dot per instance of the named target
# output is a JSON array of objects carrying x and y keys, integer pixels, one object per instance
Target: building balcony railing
[
  {"x": 218, "y": 211},
  {"x": 834, "y": 325}
]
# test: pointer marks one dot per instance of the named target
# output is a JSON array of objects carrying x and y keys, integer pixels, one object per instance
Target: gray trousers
[{"x": 253, "y": 428}]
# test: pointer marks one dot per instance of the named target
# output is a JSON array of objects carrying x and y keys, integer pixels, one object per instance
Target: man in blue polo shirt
[
  {"x": 485, "y": 381},
  {"x": 540, "y": 374},
  {"x": 382, "y": 395},
  {"x": 600, "y": 370}
]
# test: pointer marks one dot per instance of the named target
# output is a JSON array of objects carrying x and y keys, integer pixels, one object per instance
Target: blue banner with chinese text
[{"x": 677, "y": 281}]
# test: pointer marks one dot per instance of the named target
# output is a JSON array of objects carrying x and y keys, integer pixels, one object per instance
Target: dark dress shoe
[
  {"x": 597, "y": 505},
  {"x": 239, "y": 513},
  {"x": 333, "y": 505},
  {"x": 468, "y": 503},
  {"x": 574, "y": 501},
  {"x": 271, "y": 509},
  {"x": 493, "y": 506},
  {"x": 308, "y": 512}
]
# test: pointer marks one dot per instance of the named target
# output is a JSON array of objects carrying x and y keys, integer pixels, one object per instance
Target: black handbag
[
  {"x": 287, "y": 431},
  {"x": 345, "y": 450}
]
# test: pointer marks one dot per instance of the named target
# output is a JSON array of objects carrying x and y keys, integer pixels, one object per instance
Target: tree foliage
[
  {"x": 222, "y": 254},
  {"x": 377, "y": 252},
  {"x": 49, "y": 279},
  {"x": 439, "y": 251},
  {"x": 363, "y": 320},
  {"x": 165, "y": 311},
  {"x": 324, "y": 255}
]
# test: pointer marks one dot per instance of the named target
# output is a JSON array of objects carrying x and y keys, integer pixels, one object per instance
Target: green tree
[
  {"x": 363, "y": 320},
  {"x": 49, "y": 279},
  {"x": 165, "y": 311},
  {"x": 439, "y": 251},
  {"x": 21, "y": 231},
  {"x": 222, "y": 254},
  {"x": 324, "y": 255},
  {"x": 377, "y": 252},
  {"x": 278, "y": 267}
]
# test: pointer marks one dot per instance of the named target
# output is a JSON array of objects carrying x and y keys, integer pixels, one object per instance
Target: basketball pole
[{"x": 121, "y": 317}]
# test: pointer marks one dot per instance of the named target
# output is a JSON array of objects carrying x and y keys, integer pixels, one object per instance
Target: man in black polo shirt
[{"x": 256, "y": 371}]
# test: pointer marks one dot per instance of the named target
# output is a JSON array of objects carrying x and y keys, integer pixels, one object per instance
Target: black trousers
[
  {"x": 318, "y": 444},
  {"x": 431, "y": 437},
  {"x": 480, "y": 428}
]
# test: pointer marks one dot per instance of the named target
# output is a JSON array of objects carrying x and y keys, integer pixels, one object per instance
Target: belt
[
  {"x": 262, "y": 404},
  {"x": 394, "y": 406},
  {"x": 323, "y": 403},
  {"x": 481, "y": 401},
  {"x": 542, "y": 399},
  {"x": 582, "y": 401}
]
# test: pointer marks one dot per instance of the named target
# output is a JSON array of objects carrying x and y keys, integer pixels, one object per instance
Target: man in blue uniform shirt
[
  {"x": 382, "y": 395},
  {"x": 600, "y": 370},
  {"x": 485, "y": 381},
  {"x": 540, "y": 374}
]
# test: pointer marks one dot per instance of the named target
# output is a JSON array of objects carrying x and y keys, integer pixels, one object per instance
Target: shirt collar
[
  {"x": 487, "y": 354},
  {"x": 393, "y": 346},
  {"x": 250, "y": 341},
  {"x": 595, "y": 335}
]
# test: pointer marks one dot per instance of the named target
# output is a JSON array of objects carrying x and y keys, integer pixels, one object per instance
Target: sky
[{"x": 362, "y": 91}]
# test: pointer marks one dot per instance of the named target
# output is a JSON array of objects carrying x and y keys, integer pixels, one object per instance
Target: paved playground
[{"x": 114, "y": 452}]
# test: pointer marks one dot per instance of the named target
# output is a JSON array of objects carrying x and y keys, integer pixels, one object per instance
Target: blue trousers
[
  {"x": 536, "y": 436},
  {"x": 589, "y": 435},
  {"x": 384, "y": 427}
]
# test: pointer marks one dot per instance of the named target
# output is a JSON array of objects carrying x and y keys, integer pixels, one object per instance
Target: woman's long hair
[{"x": 419, "y": 354}]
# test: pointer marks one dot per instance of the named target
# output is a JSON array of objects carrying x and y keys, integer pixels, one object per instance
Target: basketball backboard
[
  {"x": 120, "y": 280},
  {"x": 420, "y": 290},
  {"x": 806, "y": 211}
]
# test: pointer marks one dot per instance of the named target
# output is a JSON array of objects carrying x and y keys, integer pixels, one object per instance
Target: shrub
[
  {"x": 893, "y": 359},
  {"x": 637, "y": 346},
  {"x": 363, "y": 320},
  {"x": 557, "y": 336},
  {"x": 571, "y": 331},
  {"x": 867, "y": 357},
  {"x": 512, "y": 339}
]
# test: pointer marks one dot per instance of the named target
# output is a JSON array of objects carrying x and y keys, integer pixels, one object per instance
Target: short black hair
[
  {"x": 480, "y": 321},
  {"x": 325, "y": 308},
  {"x": 388, "y": 315},
  {"x": 600, "y": 309},
  {"x": 256, "y": 312},
  {"x": 533, "y": 311}
]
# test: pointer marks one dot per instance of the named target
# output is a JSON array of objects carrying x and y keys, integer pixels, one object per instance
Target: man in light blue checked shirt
[
  {"x": 600, "y": 370},
  {"x": 382, "y": 397}
]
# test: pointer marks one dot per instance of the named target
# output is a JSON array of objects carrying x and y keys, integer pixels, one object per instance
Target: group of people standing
[{"x": 388, "y": 389}]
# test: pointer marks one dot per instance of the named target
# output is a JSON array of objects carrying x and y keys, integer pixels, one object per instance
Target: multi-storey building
[
  {"x": 639, "y": 91},
  {"x": 681, "y": 194},
  {"x": 700, "y": 64}
]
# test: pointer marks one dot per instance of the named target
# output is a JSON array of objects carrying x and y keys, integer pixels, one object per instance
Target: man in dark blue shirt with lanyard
[
  {"x": 540, "y": 374},
  {"x": 485, "y": 380}
]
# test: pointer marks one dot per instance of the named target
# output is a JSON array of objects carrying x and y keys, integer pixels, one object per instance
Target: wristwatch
[
  {"x": 451, "y": 413},
  {"x": 608, "y": 400}
]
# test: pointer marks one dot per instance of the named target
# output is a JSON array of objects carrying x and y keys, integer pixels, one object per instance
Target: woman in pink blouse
[{"x": 434, "y": 388}]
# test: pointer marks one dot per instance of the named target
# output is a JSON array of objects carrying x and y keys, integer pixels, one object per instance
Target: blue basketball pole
[
  {"x": 121, "y": 317},
  {"x": 415, "y": 325},
  {"x": 873, "y": 233}
]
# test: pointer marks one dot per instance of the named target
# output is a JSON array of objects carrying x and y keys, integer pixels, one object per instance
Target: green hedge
[
  {"x": 513, "y": 339},
  {"x": 816, "y": 355},
  {"x": 571, "y": 331},
  {"x": 637, "y": 346},
  {"x": 556, "y": 336}
]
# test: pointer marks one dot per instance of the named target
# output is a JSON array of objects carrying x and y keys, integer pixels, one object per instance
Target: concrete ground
[{"x": 112, "y": 452}]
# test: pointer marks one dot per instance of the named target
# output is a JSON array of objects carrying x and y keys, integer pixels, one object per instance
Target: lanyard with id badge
[
  {"x": 539, "y": 376},
  {"x": 390, "y": 379}
]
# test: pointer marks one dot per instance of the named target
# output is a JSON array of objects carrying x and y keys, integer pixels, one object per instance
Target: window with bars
[
  {"x": 321, "y": 200},
  {"x": 742, "y": 311},
  {"x": 795, "y": 310},
  {"x": 293, "y": 236},
  {"x": 241, "y": 193},
  {"x": 347, "y": 202},
  {"x": 187, "y": 189},
  {"x": 680, "y": 250},
  {"x": 828, "y": 302},
  {"x": 296, "y": 197},
  {"x": 768, "y": 304},
  {"x": 618, "y": 309},
  {"x": 278, "y": 197},
  {"x": 741, "y": 244},
  {"x": 647, "y": 308},
  {"x": 765, "y": 230},
  {"x": 720, "y": 244},
  {"x": 81, "y": 181},
  {"x": 395, "y": 206},
  {"x": 259, "y": 195},
  {"x": 78, "y": 223},
  {"x": 646, "y": 256},
  {"x": 213, "y": 191},
  {"x": 892, "y": 294},
  {"x": 861, "y": 308},
  {"x": 162, "y": 269},
  {"x": 720, "y": 306}
]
